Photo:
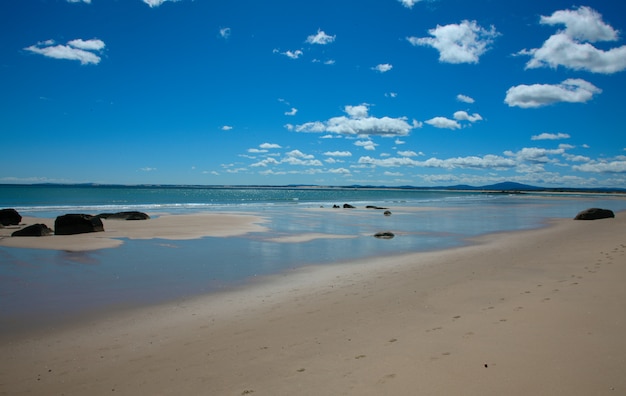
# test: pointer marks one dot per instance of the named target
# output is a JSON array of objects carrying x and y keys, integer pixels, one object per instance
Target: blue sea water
[{"x": 57, "y": 284}]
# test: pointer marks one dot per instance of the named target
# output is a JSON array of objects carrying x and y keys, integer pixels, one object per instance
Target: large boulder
[
  {"x": 594, "y": 214},
  {"x": 348, "y": 206},
  {"x": 132, "y": 215},
  {"x": 35, "y": 230},
  {"x": 9, "y": 217},
  {"x": 70, "y": 224}
]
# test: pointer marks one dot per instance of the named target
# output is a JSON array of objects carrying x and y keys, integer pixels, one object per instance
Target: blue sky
[{"x": 383, "y": 92}]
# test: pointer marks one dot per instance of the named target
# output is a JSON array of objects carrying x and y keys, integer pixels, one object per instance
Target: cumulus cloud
[
  {"x": 458, "y": 43},
  {"x": 550, "y": 136},
  {"x": 267, "y": 146},
  {"x": 409, "y": 3},
  {"x": 320, "y": 38},
  {"x": 583, "y": 23},
  {"x": 366, "y": 144},
  {"x": 84, "y": 51},
  {"x": 297, "y": 157},
  {"x": 156, "y": 3},
  {"x": 443, "y": 123},
  {"x": 359, "y": 122},
  {"x": 291, "y": 112},
  {"x": 226, "y": 128},
  {"x": 338, "y": 154},
  {"x": 535, "y": 154},
  {"x": 464, "y": 98},
  {"x": 538, "y": 95},
  {"x": 572, "y": 48},
  {"x": 472, "y": 162},
  {"x": 383, "y": 67},
  {"x": 464, "y": 116},
  {"x": 614, "y": 166}
]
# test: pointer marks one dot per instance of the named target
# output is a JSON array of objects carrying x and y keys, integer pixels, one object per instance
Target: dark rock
[
  {"x": 70, "y": 224},
  {"x": 35, "y": 230},
  {"x": 387, "y": 213},
  {"x": 374, "y": 207},
  {"x": 9, "y": 217},
  {"x": 132, "y": 215},
  {"x": 336, "y": 206},
  {"x": 384, "y": 235},
  {"x": 594, "y": 214},
  {"x": 348, "y": 206}
]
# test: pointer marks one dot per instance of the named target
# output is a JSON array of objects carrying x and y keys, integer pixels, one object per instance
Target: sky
[{"x": 277, "y": 92}]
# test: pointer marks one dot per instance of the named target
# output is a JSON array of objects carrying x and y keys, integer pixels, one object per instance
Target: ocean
[{"x": 43, "y": 285}]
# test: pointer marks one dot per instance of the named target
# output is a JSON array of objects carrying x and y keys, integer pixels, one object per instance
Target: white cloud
[
  {"x": 535, "y": 154},
  {"x": 299, "y": 154},
  {"x": 297, "y": 157},
  {"x": 443, "y": 122},
  {"x": 79, "y": 1},
  {"x": 267, "y": 146},
  {"x": 147, "y": 169},
  {"x": 583, "y": 23},
  {"x": 408, "y": 153},
  {"x": 338, "y": 154},
  {"x": 359, "y": 122},
  {"x": 225, "y": 32},
  {"x": 291, "y": 112},
  {"x": 464, "y": 116},
  {"x": 87, "y": 45},
  {"x": 616, "y": 166},
  {"x": 320, "y": 38},
  {"x": 256, "y": 151},
  {"x": 156, "y": 3},
  {"x": 83, "y": 51},
  {"x": 366, "y": 144},
  {"x": 464, "y": 98},
  {"x": 391, "y": 94},
  {"x": 265, "y": 162},
  {"x": 226, "y": 128},
  {"x": 458, "y": 43},
  {"x": 383, "y": 67},
  {"x": 341, "y": 171},
  {"x": 550, "y": 136},
  {"x": 537, "y": 95},
  {"x": 472, "y": 162},
  {"x": 409, "y": 3},
  {"x": 290, "y": 54},
  {"x": 571, "y": 47},
  {"x": 399, "y": 142}
]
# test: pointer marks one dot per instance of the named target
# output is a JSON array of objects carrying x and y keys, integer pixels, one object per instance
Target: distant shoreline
[{"x": 506, "y": 187}]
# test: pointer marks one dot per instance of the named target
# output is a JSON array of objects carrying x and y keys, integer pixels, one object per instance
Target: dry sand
[{"x": 538, "y": 312}]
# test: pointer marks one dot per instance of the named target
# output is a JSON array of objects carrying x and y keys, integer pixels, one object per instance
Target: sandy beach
[
  {"x": 164, "y": 227},
  {"x": 537, "y": 312}
]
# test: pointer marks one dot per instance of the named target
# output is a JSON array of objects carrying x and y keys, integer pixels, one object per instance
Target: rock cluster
[{"x": 68, "y": 224}]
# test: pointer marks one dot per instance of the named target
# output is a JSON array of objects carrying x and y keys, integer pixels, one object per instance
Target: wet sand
[
  {"x": 538, "y": 312},
  {"x": 173, "y": 227}
]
